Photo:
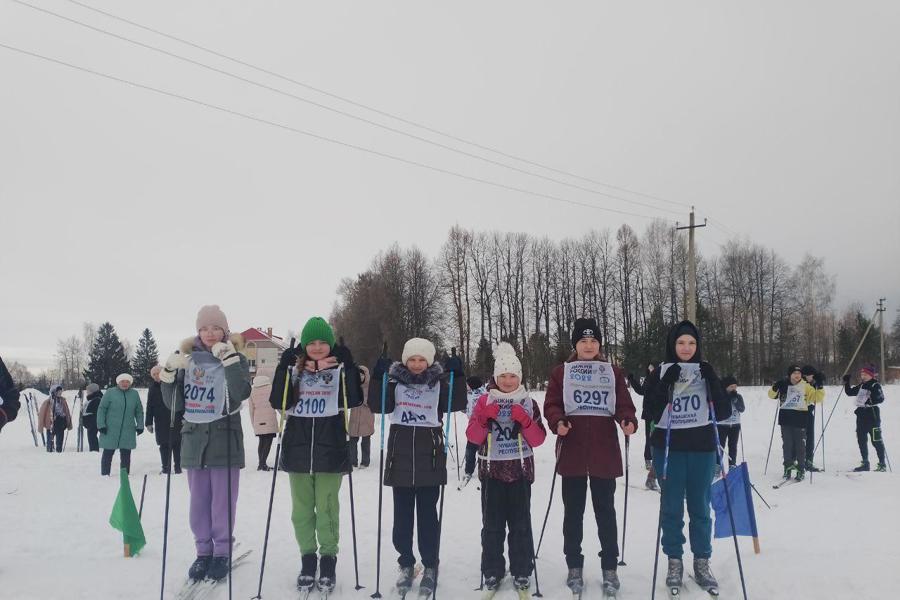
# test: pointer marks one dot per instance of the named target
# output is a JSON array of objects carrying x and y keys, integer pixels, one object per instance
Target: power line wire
[
  {"x": 385, "y": 114},
  {"x": 320, "y": 137}
]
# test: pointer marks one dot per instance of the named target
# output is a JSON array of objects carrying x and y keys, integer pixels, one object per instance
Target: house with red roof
[{"x": 263, "y": 348}]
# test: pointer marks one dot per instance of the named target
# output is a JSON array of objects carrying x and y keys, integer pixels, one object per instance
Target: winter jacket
[
  {"x": 263, "y": 417},
  {"x": 642, "y": 389},
  {"x": 362, "y": 421},
  {"x": 206, "y": 445},
  {"x": 737, "y": 407},
  {"x": 159, "y": 415},
  {"x": 9, "y": 397},
  {"x": 317, "y": 444},
  {"x": 46, "y": 415},
  {"x": 415, "y": 455},
  {"x": 592, "y": 445},
  {"x": 693, "y": 439},
  {"x": 122, "y": 414},
  {"x": 795, "y": 418},
  {"x": 507, "y": 470},
  {"x": 89, "y": 416},
  {"x": 870, "y": 414}
]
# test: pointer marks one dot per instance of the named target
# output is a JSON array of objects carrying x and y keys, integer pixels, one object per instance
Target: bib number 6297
[{"x": 591, "y": 397}]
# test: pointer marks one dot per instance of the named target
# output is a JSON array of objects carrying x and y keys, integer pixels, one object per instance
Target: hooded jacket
[
  {"x": 160, "y": 417},
  {"x": 694, "y": 439},
  {"x": 415, "y": 455},
  {"x": 869, "y": 414},
  {"x": 317, "y": 444}
]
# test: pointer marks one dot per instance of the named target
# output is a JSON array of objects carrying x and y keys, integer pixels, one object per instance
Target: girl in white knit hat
[{"x": 506, "y": 423}]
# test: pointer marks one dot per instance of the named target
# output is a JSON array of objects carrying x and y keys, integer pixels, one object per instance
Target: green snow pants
[{"x": 316, "y": 511}]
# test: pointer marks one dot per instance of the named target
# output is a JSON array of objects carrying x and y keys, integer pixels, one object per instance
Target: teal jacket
[
  {"x": 122, "y": 415},
  {"x": 205, "y": 445}
]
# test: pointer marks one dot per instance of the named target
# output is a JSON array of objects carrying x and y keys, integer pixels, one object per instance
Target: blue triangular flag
[{"x": 738, "y": 482}]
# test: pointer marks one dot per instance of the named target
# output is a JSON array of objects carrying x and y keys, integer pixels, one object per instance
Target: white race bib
[
  {"x": 589, "y": 388},
  {"x": 690, "y": 401},
  {"x": 504, "y": 441},
  {"x": 318, "y": 393},
  {"x": 416, "y": 405},
  {"x": 794, "y": 400},
  {"x": 862, "y": 397},
  {"x": 204, "y": 388}
]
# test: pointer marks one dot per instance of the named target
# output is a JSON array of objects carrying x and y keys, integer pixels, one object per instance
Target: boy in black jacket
[{"x": 868, "y": 416}]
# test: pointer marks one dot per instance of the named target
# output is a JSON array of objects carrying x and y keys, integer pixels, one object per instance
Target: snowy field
[{"x": 833, "y": 537}]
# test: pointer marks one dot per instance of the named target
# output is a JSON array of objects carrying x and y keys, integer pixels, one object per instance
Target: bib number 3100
[{"x": 310, "y": 406}]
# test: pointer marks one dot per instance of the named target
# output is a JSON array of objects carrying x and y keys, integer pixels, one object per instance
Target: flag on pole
[
  {"x": 125, "y": 518},
  {"x": 738, "y": 481}
]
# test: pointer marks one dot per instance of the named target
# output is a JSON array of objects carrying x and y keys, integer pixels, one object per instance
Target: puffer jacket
[
  {"x": 415, "y": 455},
  {"x": 362, "y": 421},
  {"x": 207, "y": 445}
]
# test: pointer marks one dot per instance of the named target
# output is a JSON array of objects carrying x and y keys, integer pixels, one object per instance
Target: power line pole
[
  {"x": 882, "y": 374},
  {"x": 691, "y": 304}
]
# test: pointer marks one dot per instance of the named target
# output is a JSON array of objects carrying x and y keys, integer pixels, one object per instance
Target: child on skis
[
  {"x": 684, "y": 449},
  {"x": 730, "y": 428},
  {"x": 208, "y": 378},
  {"x": 416, "y": 462},
  {"x": 642, "y": 389},
  {"x": 506, "y": 424},
  {"x": 323, "y": 384},
  {"x": 475, "y": 389},
  {"x": 794, "y": 395},
  {"x": 585, "y": 399},
  {"x": 815, "y": 378},
  {"x": 868, "y": 415}
]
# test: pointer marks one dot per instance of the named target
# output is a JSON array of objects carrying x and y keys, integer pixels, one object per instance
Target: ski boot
[
  {"x": 651, "y": 484},
  {"x": 326, "y": 579},
  {"x": 812, "y": 468},
  {"x": 801, "y": 474},
  {"x": 575, "y": 580},
  {"x": 405, "y": 580},
  {"x": 306, "y": 580},
  {"x": 787, "y": 472},
  {"x": 263, "y": 467},
  {"x": 218, "y": 568},
  {"x": 610, "y": 583},
  {"x": 648, "y": 464},
  {"x": 428, "y": 582},
  {"x": 704, "y": 577},
  {"x": 198, "y": 569},
  {"x": 523, "y": 586},
  {"x": 675, "y": 577},
  {"x": 881, "y": 468},
  {"x": 490, "y": 584},
  {"x": 863, "y": 466}
]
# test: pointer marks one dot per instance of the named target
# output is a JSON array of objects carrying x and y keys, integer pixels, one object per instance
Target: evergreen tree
[
  {"x": 107, "y": 360},
  {"x": 484, "y": 360},
  {"x": 146, "y": 356}
]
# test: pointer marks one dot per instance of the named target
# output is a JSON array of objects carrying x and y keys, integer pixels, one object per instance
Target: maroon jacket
[{"x": 592, "y": 445}]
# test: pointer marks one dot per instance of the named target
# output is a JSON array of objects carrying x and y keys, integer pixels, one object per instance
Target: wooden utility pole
[
  {"x": 691, "y": 304},
  {"x": 881, "y": 374}
]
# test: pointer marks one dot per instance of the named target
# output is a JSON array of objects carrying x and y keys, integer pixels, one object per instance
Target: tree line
[{"x": 758, "y": 312}]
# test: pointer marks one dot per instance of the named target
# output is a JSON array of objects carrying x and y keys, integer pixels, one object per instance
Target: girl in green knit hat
[{"x": 322, "y": 381}]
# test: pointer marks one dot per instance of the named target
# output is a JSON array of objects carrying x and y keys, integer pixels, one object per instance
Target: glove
[
  {"x": 289, "y": 357},
  {"x": 139, "y": 431},
  {"x": 382, "y": 366},
  {"x": 342, "y": 354},
  {"x": 225, "y": 352},
  {"x": 780, "y": 386},
  {"x": 707, "y": 372},
  {"x": 520, "y": 416},
  {"x": 671, "y": 375},
  {"x": 563, "y": 427},
  {"x": 167, "y": 376},
  {"x": 150, "y": 428},
  {"x": 846, "y": 378},
  {"x": 486, "y": 413},
  {"x": 102, "y": 430},
  {"x": 176, "y": 361},
  {"x": 818, "y": 379}
]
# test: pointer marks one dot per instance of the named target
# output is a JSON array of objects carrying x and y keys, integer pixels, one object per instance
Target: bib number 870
[
  {"x": 591, "y": 397},
  {"x": 311, "y": 406},
  {"x": 684, "y": 403}
]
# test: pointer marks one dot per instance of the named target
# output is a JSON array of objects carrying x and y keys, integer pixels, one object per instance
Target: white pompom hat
[{"x": 506, "y": 361}]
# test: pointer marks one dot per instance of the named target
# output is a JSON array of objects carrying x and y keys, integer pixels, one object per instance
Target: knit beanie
[
  {"x": 317, "y": 328},
  {"x": 808, "y": 370},
  {"x": 728, "y": 380},
  {"x": 793, "y": 368},
  {"x": 124, "y": 377},
  {"x": 212, "y": 316},
  {"x": 506, "y": 361},
  {"x": 92, "y": 388},
  {"x": 418, "y": 347},
  {"x": 585, "y": 328},
  {"x": 870, "y": 370}
]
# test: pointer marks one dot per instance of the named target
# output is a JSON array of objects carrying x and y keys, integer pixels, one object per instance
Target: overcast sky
[{"x": 781, "y": 120}]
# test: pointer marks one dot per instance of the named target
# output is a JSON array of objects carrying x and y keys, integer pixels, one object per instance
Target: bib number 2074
[{"x": 199, "y": 392}]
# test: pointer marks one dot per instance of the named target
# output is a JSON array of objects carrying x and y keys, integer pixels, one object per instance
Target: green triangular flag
[{"x": 124, "y": 517}]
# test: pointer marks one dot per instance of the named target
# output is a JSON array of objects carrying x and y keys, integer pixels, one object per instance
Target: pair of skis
[
  {"x": 675, "y": 591},
  {"x": 205, "y": 588},
  {"x": 522, "y": 593}
]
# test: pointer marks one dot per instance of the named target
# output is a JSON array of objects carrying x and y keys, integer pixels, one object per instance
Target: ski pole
[
  {"x": 737, "y": 549},
  {"x": 350, "y": 481},
  {"x": 772, "y": 435},
  {"x": 662, "y": 492},
  {"x": 384, "y": 388},
  {"x": 143, "y": 491},
  {"x": 760, "y": 496},
  {"x": 441, "y": 509},
  {"x": 456, "y": 447},
  {"x": 226, "y": 412},
  {"x": 526, "y": 494},
  {"x": 625, "y": 516},
  {"x": 281, "y": 421},
  {"x": 550, "y": 501},
  {"x": 172, "y": 408}
]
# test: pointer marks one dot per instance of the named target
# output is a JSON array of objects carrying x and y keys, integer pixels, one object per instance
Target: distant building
[{"x": 263, "y": 348}]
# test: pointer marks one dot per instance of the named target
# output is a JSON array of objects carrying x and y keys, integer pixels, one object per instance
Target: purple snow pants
[{"x": 209, "y": 508}]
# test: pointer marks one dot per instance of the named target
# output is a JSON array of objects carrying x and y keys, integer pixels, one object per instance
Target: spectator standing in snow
[
  {"x": 54, "y": 416},
  {"x": 93, "y": 395},
  {"x": 730, "y": 428},
  {"x": 9, "y": 397},
  {"x": 159, "y": 422},
  {"x": 362, "y": 425},
  {"x": 263, "y": 416},
  {"x": 120, "y": 419}
]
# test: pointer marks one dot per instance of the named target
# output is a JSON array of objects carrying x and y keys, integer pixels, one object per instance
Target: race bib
[
  {"x": 589, "y": 388},
  {"x": 504, "y": 437},
  {"x": 416, "y": 405},
  {"x": 795, "y": 398},
  {"x": 862, "y": 397},
  {"x": 689, "y": 405},
  {"x": 204, "y": 388},
  {"x": 734, "y": 418},
  {"x": 317, "y": 393}
]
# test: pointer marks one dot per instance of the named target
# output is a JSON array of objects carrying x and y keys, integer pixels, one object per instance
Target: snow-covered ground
[{"x": 835, "y": 537}]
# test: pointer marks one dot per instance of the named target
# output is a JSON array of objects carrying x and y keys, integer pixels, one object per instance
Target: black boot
[
  {"x": 199, "y": 568},
  {"x": 326, "y": 573},
  {"x": 218, "y": 568},
  {"x": 307, "y": 578}
]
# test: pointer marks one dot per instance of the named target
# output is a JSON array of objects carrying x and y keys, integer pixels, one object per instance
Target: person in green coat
[
  {"x": 207, "y": 380},
  {"x": 120, "y": 419}
]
